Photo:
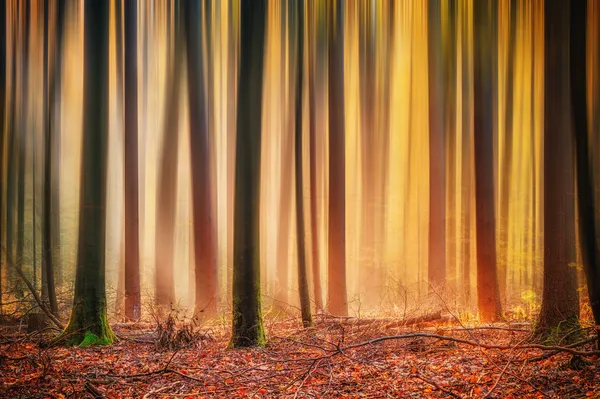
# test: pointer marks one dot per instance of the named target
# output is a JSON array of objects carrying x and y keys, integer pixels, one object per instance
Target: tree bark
[
  {"x": 488, "y": 297},
  {"x": 247, "y": 329},
  {"x": 336, "y": 290},
  {"x": 132, "y": 239},
  {"x": 312, "y": 131},
  {"x": 167, "y": 180},
  {"x": 300, "y": 226},
  {"x": 560, "y": 301},
  {"x": 205, "y": 254},
  {"x": 88, "y": 324},
  {"x": 437, "y": 150},
  {"x": 588, "y": 221}
]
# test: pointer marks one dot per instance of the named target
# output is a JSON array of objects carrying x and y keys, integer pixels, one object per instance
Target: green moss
[
  {"x": 564, "y": 332},
  {"x": 87, "y": 327}
]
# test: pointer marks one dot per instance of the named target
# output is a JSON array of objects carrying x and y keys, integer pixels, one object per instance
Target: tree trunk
[
  {"x": 336, "y": 290},
  {"x": 88, "y": 324},
  {"x": 205, "y": 254},
  {"x": 300, "y": 228},
  {"x": 560, "y": 302},
  {"x": 590, "y": 248},
  {"x": 247, "y": 327},
  {"x": 437, "y": 148},
  {"x": 312, "y": 131},
  {"x": 132, "y": 240},
  {"x": 488, "y": 296},
  {"x": 506, "y": 163},
  {"x": 167, "y": 181},
  {"x": 3, "y": 133},
  {"x": 48, "y": 284}
]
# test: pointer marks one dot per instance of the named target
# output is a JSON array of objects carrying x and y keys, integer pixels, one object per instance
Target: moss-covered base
[
  {"x": 562, "y": 333},
  {"x": 87, "y": 327}
]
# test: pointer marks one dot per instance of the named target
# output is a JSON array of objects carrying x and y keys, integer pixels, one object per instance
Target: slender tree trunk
[
  {"x": 167, "y": 180},
  {"x": 286, "y": 165},
  {"x": 560, "y": 301},
  {"x": 132, "y": 239},
  {"x": 3, "y": 134},
  {"x": 247, "y": 315},
  {"x": 48, "y": 284},
  {"x": 205, "y": 258},
  {"x": 300, "y": 228},
  {"x": 506, "y": 164},
  {"x": 437, "y": 147},
  {"x": 488, "y": 296},
  {"x": 312, "y": 131},
  {"x": 590, "y": 248},
  {"x": 23, "y": 147},
  {"x": 336, "y": 290},
  {"x": 88, "y": 324}
]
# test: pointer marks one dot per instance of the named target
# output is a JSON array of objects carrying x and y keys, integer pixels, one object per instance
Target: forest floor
[{"x": 335, "y": 359}]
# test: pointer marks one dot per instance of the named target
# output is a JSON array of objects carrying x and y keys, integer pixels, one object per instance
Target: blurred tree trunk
[
  {"x": 132, "y": 239},
  {"x": 48, "y": 284},
  {"x": 437, "y": 148},
  {"x": 488, "y": 296},
  {"x": 3, "y": 134},
  {"x": 88, "y": 324},
  {"x": 588, "y": 221},
  {"x": 369, "y": 277},
  {"x": 205, "y": 254},
  {"x": 300, "y": 226},
  {"x": 312, "y": 131},
  {"x": 22, "y": 146},
  {"x": 286, "y": 164},
  {"x": 247, "y": 327},
  {"x": 336, "y": 290},
  {"x": 506, "y": 163},
  {"x": 560, "y": 301},
  {"x": 167, "y": 180}
]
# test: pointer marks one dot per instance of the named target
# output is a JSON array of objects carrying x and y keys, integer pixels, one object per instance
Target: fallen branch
[
  {"x": 36, "y": 297},
  {"x": 94, "y": 391}
]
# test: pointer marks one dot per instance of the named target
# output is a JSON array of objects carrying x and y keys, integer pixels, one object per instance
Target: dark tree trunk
[
  {"x": 590, "y": 247},
  {"x": 22, "y": 149},
  {"x": 167, "y": 181},
  {"x": 132, "y": 239},
  {"x": 88, "y": 324},
  {"x": 205, "y": 254},
  {"x": 506, "y": 163},
  {"x": 437, "y": 148},
  {"x": 3, "y": 133},
  {"x": 312, "y": 131},
  {"x": 247, "y": 315},
  {"x": 48, "y": 284},
  {"x": 336, "y": 290},
  {"x": 300, "y": 228},
  {"x": 488, "y": 296},
  {"x": 560, "y": 301}
]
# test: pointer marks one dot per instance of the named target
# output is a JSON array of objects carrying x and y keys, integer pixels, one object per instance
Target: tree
[
  {"x": 488, "y": 296},
  {"x": 312, "y": 131},
  {"x": 88, "y": 324},
  {"x": 588, "y": 221},
  {"x": 132, "y": 239},
  {"x": 167, "y": 181},
  {"x": 300, "y": 228},
  {"x": 205, "y": 253},
  {"x": 247, "y": 329},
  {"x": 3, "y": 133},
  {"x": 336, "y": 290},
  {"x": 560, "y": 301},
  {"x": 50, "y": 98},
  {"x": 437, "y": 172}
]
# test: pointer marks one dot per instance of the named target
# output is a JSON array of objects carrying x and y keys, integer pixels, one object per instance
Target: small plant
[{"x": 171, "y": 337}]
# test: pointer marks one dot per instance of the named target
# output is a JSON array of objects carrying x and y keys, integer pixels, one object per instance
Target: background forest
[{"x": 214, "y": 164}]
